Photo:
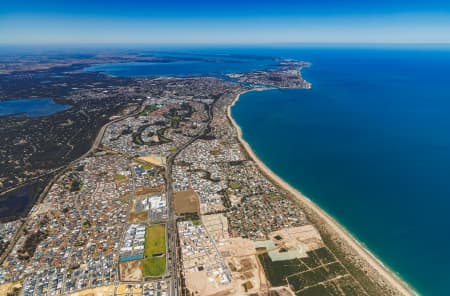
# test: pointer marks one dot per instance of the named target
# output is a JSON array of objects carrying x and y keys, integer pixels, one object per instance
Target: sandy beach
[{"x": 353, "y": 248}]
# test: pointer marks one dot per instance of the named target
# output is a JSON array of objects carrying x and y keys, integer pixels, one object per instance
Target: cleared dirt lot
[
  {"x": 131, "y": 270},
  {"x": 128, "y": 290},
  {"x": 186, "y": 202},
  {"x": 153, "y": 159},
  {"x": 100, "y": 291},
  {"x": 136, "y": 217},
  {"x": 141, "y": 190},
  {"x": 9, "y": 288}
]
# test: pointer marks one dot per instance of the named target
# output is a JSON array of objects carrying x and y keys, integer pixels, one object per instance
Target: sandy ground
[
  {"x": 153, "y": 159},
  {"x": 247, "y": 275},
  {"x": 131, "y": 271},
  {"x": 136, "y": 217},
  {"x": 388, "y": 276},
  {"x": 9, "y": 287},
  {"x": 141, "y": 190},
  {"x": 241, "y": 258},
  {"x": 124, "y": 290},
  {"x": 100, "y": 291},
  {"x": 307, "y": 234},
  {"x": 186, "y": 202},
  {"x": 237, "y": 247},
  {"x": 217, "y": 226},
  {"x": 282, "y": 291},
  {"x": 198, "y": 283}
]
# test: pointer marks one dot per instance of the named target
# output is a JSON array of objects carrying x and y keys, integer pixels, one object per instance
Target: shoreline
[{"x": 388, "y": 276}]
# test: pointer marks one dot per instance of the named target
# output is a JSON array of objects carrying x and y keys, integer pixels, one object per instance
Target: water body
[
  {"x": 30, "y": 107},
  {"x": 370, "y": 143},
  {"x": 208, "y": 65},
  {"x": 16, "y": 203}
]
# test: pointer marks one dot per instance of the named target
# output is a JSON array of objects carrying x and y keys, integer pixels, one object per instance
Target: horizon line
[{"x": 217, "y": 43}]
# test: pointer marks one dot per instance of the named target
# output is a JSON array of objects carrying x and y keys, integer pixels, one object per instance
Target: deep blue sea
[
  {"x": 30, "y": 107},
  {"x": 370, "y": 143}
]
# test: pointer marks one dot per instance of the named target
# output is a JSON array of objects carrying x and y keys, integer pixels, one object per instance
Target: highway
[
  {"x": 172, "y": 233},
  {"x": 62, "y": 170},
  {"x": 174, "y": 262}
]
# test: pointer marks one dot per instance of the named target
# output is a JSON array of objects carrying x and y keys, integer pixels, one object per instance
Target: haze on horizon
[{"x": 232, "y": 22}]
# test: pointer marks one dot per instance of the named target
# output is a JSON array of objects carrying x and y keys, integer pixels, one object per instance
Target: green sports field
[{"x": 155, "y": 250}]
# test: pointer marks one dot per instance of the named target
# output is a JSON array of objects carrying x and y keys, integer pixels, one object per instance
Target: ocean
[{"x": 370, "y": 144}]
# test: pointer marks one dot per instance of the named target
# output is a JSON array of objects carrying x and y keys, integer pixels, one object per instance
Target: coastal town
[{"x": 172, "y": 201}]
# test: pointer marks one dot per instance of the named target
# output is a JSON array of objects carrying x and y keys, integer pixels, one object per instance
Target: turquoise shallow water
[{"x": 370, "y": 143}]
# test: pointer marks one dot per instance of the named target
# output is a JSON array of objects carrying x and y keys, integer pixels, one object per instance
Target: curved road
[
  {"x": 63, "y": 169},
  {"x": 172, "y": 232}
]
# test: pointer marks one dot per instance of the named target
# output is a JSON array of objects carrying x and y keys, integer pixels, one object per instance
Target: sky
[{"x": 223, "y": 22}]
